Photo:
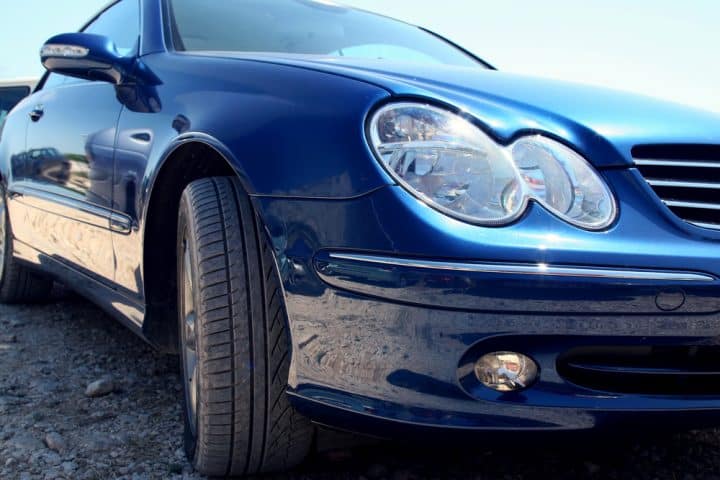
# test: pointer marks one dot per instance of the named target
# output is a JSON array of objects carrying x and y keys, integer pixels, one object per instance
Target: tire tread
[{"x": 246, "y": 423}]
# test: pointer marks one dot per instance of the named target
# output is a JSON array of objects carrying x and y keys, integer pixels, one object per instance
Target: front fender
[{"x": 287, "y": 131}]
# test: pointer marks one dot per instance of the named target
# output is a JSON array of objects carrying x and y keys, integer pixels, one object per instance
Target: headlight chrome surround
[{"x": 453, "y": 166}]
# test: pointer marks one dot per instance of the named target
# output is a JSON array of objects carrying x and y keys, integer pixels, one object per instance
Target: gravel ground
[{"x": 54, "y": 357}]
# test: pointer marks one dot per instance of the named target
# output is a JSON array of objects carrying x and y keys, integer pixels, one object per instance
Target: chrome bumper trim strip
[{"x": 529, "y": 269}]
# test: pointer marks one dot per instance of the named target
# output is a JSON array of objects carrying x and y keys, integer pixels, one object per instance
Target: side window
[
  {"x": 9, "y": 97},
  {"x": 120, "y": 23}
]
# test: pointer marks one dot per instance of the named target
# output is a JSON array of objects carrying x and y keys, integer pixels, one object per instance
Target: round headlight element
[
  {"x": 563, "y": 182},
  {"x": 453, "y": 166},
  {"x": 447, "y": 162}
]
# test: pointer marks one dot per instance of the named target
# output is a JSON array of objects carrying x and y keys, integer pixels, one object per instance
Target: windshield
[{"x": 315, "y": 27}]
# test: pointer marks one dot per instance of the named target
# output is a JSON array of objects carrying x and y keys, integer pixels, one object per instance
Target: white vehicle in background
[{"x": 11, "y": 92}]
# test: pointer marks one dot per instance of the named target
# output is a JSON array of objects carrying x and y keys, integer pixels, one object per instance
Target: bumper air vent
[{"x": 644, "y": 370}]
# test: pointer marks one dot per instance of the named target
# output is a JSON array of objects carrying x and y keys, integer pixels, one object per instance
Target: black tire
[
  {"x": 243, "y": 422},
  {"x": 18, "y": 284}
]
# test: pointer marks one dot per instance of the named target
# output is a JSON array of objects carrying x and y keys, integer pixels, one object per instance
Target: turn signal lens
[
  {"x": 506, "y": 371},
  {"x": 65, "y": 51}
]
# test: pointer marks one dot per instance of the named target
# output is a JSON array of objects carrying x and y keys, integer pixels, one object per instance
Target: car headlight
[{"x": 456, "y": 168}]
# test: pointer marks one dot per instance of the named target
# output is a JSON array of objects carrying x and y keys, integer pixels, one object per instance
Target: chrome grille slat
[
  {"x": 714, "y": 226},
  {"x": 683, "y": 184},
  {"x": 699, "y": 205},
  {"x": 677, "y": 163},
  {"x": 686, "y": 178}
]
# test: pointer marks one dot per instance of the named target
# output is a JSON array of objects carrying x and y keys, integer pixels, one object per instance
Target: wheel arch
[{"x": 190, "y": 157}]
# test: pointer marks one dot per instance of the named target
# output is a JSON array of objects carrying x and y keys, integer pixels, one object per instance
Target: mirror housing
[{"x": 86, "y": 56}]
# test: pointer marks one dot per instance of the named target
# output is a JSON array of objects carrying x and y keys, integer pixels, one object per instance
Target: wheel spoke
[
  {"x": 3, "y": 221},
  {"x": 188, "y": 299},
  {"x": 190, "y": 356}
]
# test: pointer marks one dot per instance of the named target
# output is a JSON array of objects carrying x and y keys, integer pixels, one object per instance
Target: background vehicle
[
  {"x": 11, "y": 92},
  {"x": 333, "y": 216}
]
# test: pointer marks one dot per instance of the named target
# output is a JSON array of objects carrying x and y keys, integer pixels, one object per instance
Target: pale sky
[{"x": 664, "y": 48}]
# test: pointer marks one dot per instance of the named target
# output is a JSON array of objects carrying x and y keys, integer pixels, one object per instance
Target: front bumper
[
  {"x": 405, "y": 363},
  {"x": 389, "y": 302}
]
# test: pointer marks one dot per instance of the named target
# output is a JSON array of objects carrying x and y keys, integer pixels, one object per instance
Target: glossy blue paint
[
  {"x": 373, "y": 345},
  {"x": 602, "y": 124},
  {"x": 152, "y": 39}
]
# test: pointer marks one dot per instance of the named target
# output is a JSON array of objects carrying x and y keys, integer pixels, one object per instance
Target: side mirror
[{"x": 86, "y": 56}]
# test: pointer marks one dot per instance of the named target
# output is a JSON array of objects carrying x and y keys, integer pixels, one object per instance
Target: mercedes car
[{"x": 335, "y": 218}]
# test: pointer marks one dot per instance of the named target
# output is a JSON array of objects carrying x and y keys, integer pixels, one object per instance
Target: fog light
[{"x": 506, "y": 371}]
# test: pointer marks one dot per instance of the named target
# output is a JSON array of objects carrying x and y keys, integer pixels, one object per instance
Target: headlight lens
[
  {"x": 447, "y": 162},
  {"x": 456, "y": 168}
]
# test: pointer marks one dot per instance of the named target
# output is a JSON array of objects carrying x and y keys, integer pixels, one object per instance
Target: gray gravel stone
[
  {"x": 56, "y": 442},
  {"x": 69, "y": 467},
  {"x": 100, "y": 442},
  {"x": 101, "y": 387},
  {"x": 52, "y": 458},
  {"x": 25, "y": 442}
]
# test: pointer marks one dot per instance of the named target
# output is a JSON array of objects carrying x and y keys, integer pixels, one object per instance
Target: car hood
[{"x": 604, "y": 124}]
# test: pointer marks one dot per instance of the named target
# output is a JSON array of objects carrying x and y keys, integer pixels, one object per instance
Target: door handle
[{"x": 37, "y": 113}]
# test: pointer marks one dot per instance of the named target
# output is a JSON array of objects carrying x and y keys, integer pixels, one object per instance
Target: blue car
[{"x": 337, "y": 218}]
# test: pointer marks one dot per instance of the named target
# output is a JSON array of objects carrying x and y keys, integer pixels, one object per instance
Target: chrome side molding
[{"x": 68, "y": 207}]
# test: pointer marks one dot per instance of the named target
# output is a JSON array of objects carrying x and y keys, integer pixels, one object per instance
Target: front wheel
[{"x": 234, "y": 344}]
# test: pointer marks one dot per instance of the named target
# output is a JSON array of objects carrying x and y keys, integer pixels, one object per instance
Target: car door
[{"x": 64, "y": 180}]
